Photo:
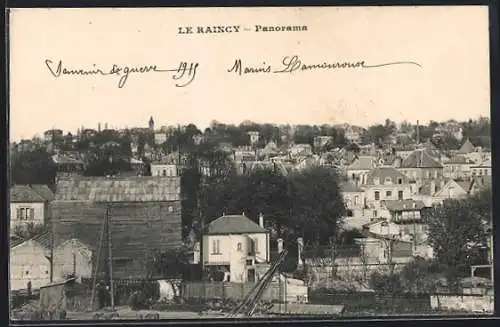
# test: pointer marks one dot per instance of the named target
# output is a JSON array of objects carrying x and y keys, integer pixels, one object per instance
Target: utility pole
[{"x": 110, "y": 260}]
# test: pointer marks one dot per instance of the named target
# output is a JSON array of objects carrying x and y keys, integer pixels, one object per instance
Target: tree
[
  {"x": 420, "y": 276},
  {"x": 377, "y": 134},
  {"x": 317, "y": 205},
  {"x": 457, "y": 232},
  {"x": 34, "y": 167},
  {"x": 170, "y": 264}
]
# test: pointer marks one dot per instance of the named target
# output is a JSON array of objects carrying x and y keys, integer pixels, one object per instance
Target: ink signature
[
  {"x": 184, "y": 74},
  {"x": 290, "y": 64}
]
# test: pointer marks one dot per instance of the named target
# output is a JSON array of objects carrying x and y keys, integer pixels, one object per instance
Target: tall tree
[
  {"x": 34, "y": 167},
  {"x": 457, "y": 232}
]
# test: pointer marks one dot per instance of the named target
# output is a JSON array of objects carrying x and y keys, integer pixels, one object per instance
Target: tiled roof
[
  {"x": 385, "y": 172},
  {"x": 403, "y": 205},
  {"x": 362, "y": 163},
  {"x": 426, "y": 189},
  {"x": 233, "y": 224},
  {"x": 44, "y": 191},
  {"x": 131, "y": 189},
  {"x": 420, "y": 159},
  {"x": 467, "y": 147},
  {"x": 15, "y": 241},
  {"x": 44, "y": 239},
  {"x": 24, "y": 193},
  {"x": 465, "y": 185}
]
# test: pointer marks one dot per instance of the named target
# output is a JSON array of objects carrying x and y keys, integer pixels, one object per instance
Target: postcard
[{"x": 204, "y": 163}]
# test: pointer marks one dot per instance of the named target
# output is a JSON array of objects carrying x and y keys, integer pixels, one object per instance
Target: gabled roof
[
  {"x": 24, "y": 194},
  {"x": 129, "y": 189},
  {"x": 385, "y": 172},
  {"x": 15, "y": 241},
  {"x": 465, "y": 185},
  {"x": 467, "y": 147},
  {"x": 404, "y": 205},
  {"x": 362, "y": 163},
  {"x": 420, "y": 159},
  {"x": 233, "y": 224},
  {"x": 44, "y": 191}
]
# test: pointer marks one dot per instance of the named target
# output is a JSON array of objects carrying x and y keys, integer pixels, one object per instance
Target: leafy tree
[
  {"x": 34, "y": 167},
  {"x": 169, "y": 264},
  {"x": 317, "y": 205},
  {"x": 457, "y": 232},
  {"x": 377, "y": 134},
  {"x": 420, "y": 276}
]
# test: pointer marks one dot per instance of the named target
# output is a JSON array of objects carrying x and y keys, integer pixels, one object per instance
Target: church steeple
[{"x": 151, "y": 124}]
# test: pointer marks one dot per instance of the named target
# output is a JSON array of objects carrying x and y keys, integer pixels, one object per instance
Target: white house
[
  {"x": 483, "y": 169},
  {"x": 163, "y": 169},
  {"x": 29, "y": 262},
  {"x": 72, "y": 257},
  {"x": 234, "y": 244},
  {"x": 358, "y": 169},
  {"x": 29, "y": 205},
  {"x": 385, "y": 183}
]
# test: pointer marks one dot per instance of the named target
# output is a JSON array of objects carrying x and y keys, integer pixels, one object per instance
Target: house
[
  {"x": 270, "y": 149},
  {"x": 254, "y": 137},
  {"x": 428, "y": 190},
  {"x": 385, "y": 183},
  {"x": 453, "y": 189},
  {"x": 144, "y": 215},
  {"x": 353, "y": 133},
  {"x": 458, "y": 167},
  {"x": 483, "y": 169},
  {"x": 29, "y": 205},
  {"x": 68, "y": 166},
  {"x": 421, "y": 166},
  {"x": 467, "y": 147},
  {"x": 354, "y": 201},
  {"x": 162, "y": 168},
  {"x": 160, "y": 138},
  {"x": 52, "y": 135},
  {"x": 357, "y": 170},
  {"x": 29, "y": 263},
  {"x": 235, "y": 245},
  {"x": 407, "y": 216},
  {"x": 301, "y": 149},
  {"x": 384, "y": 249},
  {"x": 72, "y": 258},
  {"x": 321, "y": 141},
  {"x": 381, "y": 226}
]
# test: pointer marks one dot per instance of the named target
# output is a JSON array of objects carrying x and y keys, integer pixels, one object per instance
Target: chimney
[
  {"x": 261, "y": 220},
  {"x": 300, "y": 244},
  {"x": 280, "y": 245}
]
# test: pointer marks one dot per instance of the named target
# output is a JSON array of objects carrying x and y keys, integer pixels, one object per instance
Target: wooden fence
[{"x": 275, "y": 292}]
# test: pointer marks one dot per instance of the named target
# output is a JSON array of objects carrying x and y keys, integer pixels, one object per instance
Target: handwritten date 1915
[{"x": 184, "y": 74}]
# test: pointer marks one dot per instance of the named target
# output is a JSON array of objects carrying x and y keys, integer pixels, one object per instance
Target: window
[
  {"x": 349, "y": 213},
  {"x": 400, "y": 181},
  {"x": 376, "y": 181},
  {"x": 377, "y": 195},
  {"x": 216, "y": 247},
  {"x": 375, "y": 213},
  {"x": 388, "y": 194},
  {"x": 240, "y": 247},
  {"x": 387, "y": 180},
  {"x": 356, "y": 200},
  {"x": 170, "y": 209},
  {"x": 400, "y": 195},
  {"x": 164, "y": 172},
  {"x": 25, "y": 213}
]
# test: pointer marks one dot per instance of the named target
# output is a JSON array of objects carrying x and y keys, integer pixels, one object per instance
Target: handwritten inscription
[
  {"x": 291, "y": 64},
  {"x": 184, "y": 74}
]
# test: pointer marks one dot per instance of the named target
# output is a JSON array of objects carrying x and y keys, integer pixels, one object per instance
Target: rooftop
[
  {"x": 420, "y": 159},
  {"x": 403, "y": 205},
  {"x": 25, "y": 194},
  {"x": 233, "y": 224},
  {"x": 127, "y": 189}
]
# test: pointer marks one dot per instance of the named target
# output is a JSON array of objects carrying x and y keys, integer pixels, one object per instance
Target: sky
[{"x": 449, "y": 43}]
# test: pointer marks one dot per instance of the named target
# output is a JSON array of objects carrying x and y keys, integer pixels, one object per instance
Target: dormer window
[
  {"x": 376, "y": 181},
  {"x": 388, "y": 180},
  {"x": 240, "y": 247},
  {"x": 400, "y": 181}
]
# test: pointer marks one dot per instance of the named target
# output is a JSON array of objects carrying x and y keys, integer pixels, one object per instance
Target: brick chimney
[{"x": 261, "y": 220}]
